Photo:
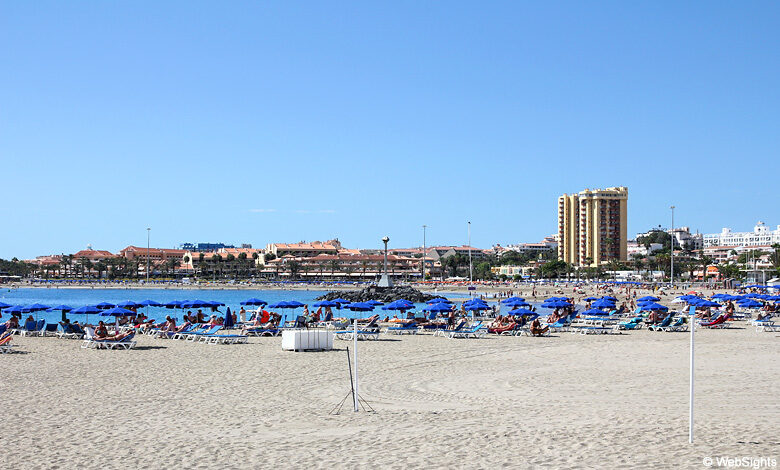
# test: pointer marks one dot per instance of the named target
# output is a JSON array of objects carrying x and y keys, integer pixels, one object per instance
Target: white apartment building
[{"x": 761, "y": 235}]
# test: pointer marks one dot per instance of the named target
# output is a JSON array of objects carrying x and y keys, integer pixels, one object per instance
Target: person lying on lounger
[
  {"x": 170, "y": 324},
  {"x": 101, "y": 333},
  {"x": 536, "y": 328},
  {"x": 183, "y": 326},
  {"x": 12, "y": 322}
]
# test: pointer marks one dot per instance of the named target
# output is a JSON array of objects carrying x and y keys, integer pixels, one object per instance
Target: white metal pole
[
  {"x": 692, "y": 317},
  {"x": 671, "y": 232},
  {"x": 355, "y": 361}
]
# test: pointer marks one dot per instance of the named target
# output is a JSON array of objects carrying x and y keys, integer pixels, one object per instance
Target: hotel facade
[{"x": 593, "y": 226}]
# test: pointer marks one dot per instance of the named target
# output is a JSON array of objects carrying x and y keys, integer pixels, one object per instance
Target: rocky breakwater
[{"x": 382, "y": 294}]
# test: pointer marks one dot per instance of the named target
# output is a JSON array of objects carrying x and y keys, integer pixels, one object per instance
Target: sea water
[{"x": 78, "y": 297}]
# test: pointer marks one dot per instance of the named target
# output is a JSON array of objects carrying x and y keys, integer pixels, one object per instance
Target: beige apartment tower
[{"x": 592, "y": 226}]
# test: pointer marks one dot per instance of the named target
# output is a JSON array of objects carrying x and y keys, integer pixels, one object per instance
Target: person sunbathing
[
  {"x": 101, "y": 333},
  {"x": 170, "y": 324},
  {"x": 183, "y": 327},
  {"x": 12, "y": 322},
  {"x": 536, "y": 328}
]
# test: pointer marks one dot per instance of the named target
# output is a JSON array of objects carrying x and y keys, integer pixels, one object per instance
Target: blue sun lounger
[{"x": 406, "y": 329}]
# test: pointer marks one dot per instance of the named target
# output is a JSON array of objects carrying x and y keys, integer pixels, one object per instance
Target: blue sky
[{"x": 286, "y": 121}]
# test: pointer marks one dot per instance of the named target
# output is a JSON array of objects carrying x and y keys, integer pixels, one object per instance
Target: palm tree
[
  {"x": 364, "y": 267},
  {"x": 334, "y": 264},
  {"x": 100, "y": 267},
  {"x": 231, "y": 260}
]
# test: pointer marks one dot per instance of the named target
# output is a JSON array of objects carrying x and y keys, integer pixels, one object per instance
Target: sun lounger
[
  {"x": 633, "y": 324},
  {"x": 766, "y": 326},
  {"x": 182, "y": 334},
  {"x": 681, "y": 324},
  {"x": 50, "y": 329},
  {"x": 193, "y": 336},
  {"x": 91, "y": 343},
  {"x": 68, "y": 331},
  {"x": 563, "y": 324},
  {"x": 475, "y": 331},
  {"x": 171, "y": 334},
  {"x": 362, "y": 335},
  {"x": 32, "y": 328},
  {"x": 720, "y": 322},
  {"x": 5, "y": 343},
  {"x": 458, "y": 327},
  {"x": 506, "y": 330},
  {"x": 223, "y": 339},
  {"x": 405, "y": 329},
  {"x": 263, "y": 331},
  {"x": 660, "y": 326}
]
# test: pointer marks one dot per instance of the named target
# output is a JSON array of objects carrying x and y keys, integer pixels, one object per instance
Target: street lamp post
[
  {"x": 671, "y": 233},
  {"x": 148, "y": 238},
  {"x": 384, "y": 281}
]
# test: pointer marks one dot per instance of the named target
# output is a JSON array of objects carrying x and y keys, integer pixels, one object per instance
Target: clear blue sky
[{"x": 286, "y": 121}]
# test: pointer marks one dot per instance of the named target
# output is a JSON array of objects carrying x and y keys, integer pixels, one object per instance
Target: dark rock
[{"x": 382, "y": 294}]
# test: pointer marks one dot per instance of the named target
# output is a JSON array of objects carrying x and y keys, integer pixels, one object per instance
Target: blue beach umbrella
[
  {"x": 229, "y": 323},
  {"x": 360, "y": 307},
  {"x": 512, "y": 299},
  {"x": 398, "y": 305},
  {"x": 748, "y": 303},
  {"x": 86, "y": 311},
  {"x": 326, "y": 303},
  {"x": 476, "y": 307},
  {"x": 37, "y": 307},
  {"x": 650, "y": 298},
  {"x": 437, "y": 307},
  {"x": 117, "y": 312},
  {"x": 174, "y": 304},
  {"x": 603, "y": 303},
  {"x": 522, "y": 312},
  {"x": 254, "y": 301},
  {"x": 129, "y": 304},
  {"x": 517, "y": 303},
  {"x": 653, "y": 306},
  {"x": 440, "y": 300},
  {"x": 105, "y": 305},
  {"x": 375, "y": 303},
  {"x": 556, "y": 304},
  {"x": 63, "y": 308},
  {"x": 151, "y": 303},
  {"x": 341, "y": 301}
]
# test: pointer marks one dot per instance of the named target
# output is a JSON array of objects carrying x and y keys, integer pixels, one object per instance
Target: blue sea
[{"x": 231, "y": 298}]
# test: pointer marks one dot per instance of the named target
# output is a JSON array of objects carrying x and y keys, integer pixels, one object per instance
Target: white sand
[{"x": 558, "y": 402}]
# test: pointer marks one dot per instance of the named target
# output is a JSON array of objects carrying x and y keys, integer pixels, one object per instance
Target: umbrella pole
[
  {"x": 692, "y": 315},
  {"x": 354, "y": 352}
]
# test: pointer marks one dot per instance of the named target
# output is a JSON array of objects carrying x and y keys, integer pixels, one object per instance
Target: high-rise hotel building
[{"x": 592, "y": 226}]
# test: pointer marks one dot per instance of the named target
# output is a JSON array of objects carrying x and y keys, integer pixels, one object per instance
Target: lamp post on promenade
[
  {"x": 671, "y": 233},
  {"x": 385, "y": 281}
]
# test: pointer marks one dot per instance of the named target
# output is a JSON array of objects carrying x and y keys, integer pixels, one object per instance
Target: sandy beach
[{"x": 566, "y": 401}]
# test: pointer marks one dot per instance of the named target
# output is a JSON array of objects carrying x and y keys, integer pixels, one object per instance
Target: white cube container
[{"x": 307, "y": 340}]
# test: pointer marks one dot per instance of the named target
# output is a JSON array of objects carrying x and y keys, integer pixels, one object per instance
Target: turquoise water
[{"x": 231, "y": 298}]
